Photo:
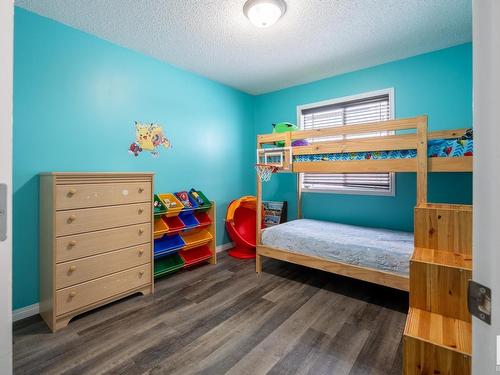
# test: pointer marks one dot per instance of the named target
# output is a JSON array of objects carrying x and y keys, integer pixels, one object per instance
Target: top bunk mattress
[
  {"x": 382, "y": 249},
  {"x": 441, "y": 148}
]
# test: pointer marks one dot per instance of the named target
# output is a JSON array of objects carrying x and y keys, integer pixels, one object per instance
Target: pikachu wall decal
[{"x": 149, "y": 137}]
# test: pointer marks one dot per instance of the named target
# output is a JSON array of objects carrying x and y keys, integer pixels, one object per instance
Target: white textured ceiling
[{"x": 315, "y": 38}]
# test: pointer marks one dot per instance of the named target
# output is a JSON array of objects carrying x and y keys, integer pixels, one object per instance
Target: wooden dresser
[{"x": 95, "y": 241}]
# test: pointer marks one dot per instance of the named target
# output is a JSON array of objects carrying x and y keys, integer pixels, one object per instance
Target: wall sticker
[{"x": 148, "y": 137}]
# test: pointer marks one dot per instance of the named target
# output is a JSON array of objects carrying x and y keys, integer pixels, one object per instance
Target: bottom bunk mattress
[{"x": 381, "y": 249}]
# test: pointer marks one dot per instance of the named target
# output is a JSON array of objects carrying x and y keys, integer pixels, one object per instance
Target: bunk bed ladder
[{"x": 437, "y": 336}]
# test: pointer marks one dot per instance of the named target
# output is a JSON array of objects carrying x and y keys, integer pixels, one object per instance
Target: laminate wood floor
[{"x": 225, "y": 319}]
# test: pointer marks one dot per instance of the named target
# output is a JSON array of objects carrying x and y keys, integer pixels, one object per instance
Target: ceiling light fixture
[{"x": 264, "y": 13}]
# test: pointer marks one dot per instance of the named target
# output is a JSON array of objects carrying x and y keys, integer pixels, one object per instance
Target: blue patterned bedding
[
  {"x": 381, "y": 249},
  {"x": 436, "y": 148}
]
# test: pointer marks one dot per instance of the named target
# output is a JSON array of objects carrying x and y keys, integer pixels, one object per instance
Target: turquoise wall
[
  {"x": 438, "y": 84},
  {"x": 76, "y": 98}
]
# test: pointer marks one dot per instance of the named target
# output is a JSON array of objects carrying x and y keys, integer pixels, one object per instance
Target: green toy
[{"x": 283, "y": 127}]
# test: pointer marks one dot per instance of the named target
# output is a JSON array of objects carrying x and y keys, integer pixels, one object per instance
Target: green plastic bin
[
  {"x": 159, "y": 207},
  {"x": 167, "y": 265},
  {"x": 207, "y": 204}
]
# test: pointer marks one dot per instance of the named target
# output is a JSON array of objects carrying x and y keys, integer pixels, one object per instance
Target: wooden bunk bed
[{"x": 405, "y": 134}]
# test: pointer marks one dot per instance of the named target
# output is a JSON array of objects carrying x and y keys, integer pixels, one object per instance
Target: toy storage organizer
[{"x": 184, "y": 235}]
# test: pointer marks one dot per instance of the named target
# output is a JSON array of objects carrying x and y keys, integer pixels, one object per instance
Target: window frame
[{"x": 366, "y": 95}]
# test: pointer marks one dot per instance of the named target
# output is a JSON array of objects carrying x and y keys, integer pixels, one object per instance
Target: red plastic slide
[{"x": 240, "y": 224}]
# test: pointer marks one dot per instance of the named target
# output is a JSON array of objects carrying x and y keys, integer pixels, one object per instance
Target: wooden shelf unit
[
  {"x": 437, "y": 336},
  {"x": 193, "y": 237}
]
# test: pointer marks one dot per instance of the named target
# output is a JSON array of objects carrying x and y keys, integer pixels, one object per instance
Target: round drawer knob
[
  {"x": 72, "y": 218},
  {"x": 141, "y": 251},
  {"x": 141, "y": 273},
  {"x": 72, "y": 268},
  {"x": 72, "y": 243},
  {"x": 71, "y": 192},
  {"x": 141, "y": 190},
  {"x": 141, "y": 210},
  {"x": 72, "y": 294},
  {"x": 141, "y": 231}
]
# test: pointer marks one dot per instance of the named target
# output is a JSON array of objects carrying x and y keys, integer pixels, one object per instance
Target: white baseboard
[
  {"x": 224, "y": 247},
  {"x": 27, "y": 311}
]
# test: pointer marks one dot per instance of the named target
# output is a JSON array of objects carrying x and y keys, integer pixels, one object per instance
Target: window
[{"x": 364, "y": 108}]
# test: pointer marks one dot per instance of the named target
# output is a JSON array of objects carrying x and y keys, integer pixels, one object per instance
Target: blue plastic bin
[
  {"x": 168, "y": 245},
  {"x": 193, "y": 204},
  {"x": 189, "y": 219},
  {"x": 191, "y": 200}
]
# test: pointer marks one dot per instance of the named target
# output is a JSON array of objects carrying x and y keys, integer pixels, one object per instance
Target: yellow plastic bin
[
  {"x": 196, "y": 238},
  {"x": 172, "y": 204},
  {"x": 160, "y": 228}
]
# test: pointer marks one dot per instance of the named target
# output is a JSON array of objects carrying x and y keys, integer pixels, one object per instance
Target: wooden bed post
[
  {"x": 421, "y": 160},
  {"x": 299, "y": 196},
  {"x": 258, "y": 261}
]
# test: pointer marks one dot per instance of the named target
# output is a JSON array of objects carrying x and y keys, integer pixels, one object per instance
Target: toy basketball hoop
[{"x": 265, "y": 171}]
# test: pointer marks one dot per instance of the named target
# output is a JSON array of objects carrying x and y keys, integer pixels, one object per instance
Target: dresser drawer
[
  {"x": 97, "y": 195},
  {"x": 82, "y": 245},
  {"x": 80, "y": 270},
  {"x": 90, "y": 292},
  {"x": 90, "y": 219}
]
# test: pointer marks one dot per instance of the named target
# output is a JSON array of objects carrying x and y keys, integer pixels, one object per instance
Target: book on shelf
[{"x": 275, "y": 213}]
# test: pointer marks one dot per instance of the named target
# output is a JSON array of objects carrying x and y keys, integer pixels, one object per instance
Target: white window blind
[{"x": 344, "y": 113}]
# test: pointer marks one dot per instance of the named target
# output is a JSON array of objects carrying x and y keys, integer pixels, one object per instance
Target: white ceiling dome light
[{"x": 264, "y": 13}]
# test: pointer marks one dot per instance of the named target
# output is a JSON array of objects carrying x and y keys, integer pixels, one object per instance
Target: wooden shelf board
[
  {"x": 436, "y": 329},
  {"x": 442, "y": 258}
]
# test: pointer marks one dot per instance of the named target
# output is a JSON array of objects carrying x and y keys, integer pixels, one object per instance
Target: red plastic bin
[
  {"x": 196, "y": 255},
  {"x": 174, "y": 224},
  {"x": 203, "y": 218}
]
